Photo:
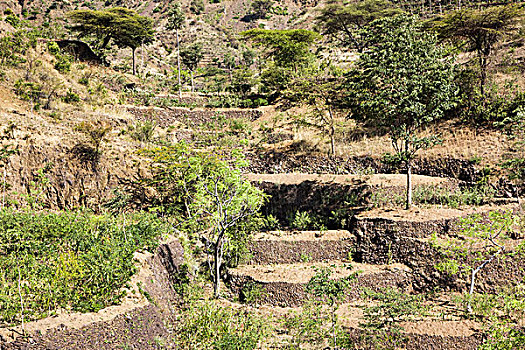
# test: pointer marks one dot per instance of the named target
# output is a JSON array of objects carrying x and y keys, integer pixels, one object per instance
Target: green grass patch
[
  {"x": 75, "y": 261},
  {"x": 433, "y": 195}
]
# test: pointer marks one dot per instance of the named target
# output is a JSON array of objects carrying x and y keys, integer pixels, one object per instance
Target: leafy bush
[
  {"x": 63, "y": 63},
  {"x": 70, "y": 260},
  {"x": 391, "y": 306},
  {"x": 301, "y": 221},
  {"x": 143, "y": 132},
  {"x": 251, "y": 293},
  {"x": 205, "y": 325},
  {"x": 12, "y": 48},
  {"x": 71, "y": 97},
  {"x": 95, "y": 131}
]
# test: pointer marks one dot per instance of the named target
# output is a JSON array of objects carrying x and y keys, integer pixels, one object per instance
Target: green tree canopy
[
  {"x": 123, "y": 26},
  {"x": 191, "y": 55},
  {"x": 403, "y": 82},
  {"x": 289, "y": 48},
  {"x": 479, "y": 31},
  {"x": 176, "y": 17},
  {"x": 342, "y": 21}
]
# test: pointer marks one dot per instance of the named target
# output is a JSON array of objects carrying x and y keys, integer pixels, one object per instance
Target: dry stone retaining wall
[
  {"x": 381, "y": 241},
  {"x": 288, "y": 252},
  {"x": 137, "y": 329},
  {"x": 190, "y": 117},
  {"x": 288, "y": 294}
]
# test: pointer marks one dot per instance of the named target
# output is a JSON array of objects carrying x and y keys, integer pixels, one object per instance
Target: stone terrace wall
[
  {"x": 383, "y": 242},
  {"x": 138, "y": 328},
  {"x": 321, "y": 199},
  {"x": 190, "y": 117},
  {"x": 288, "y": 252},
  {"x": 280, "y": 162},
  {"x": 411, "y": 341},
  {"x": 288, "y": 294}
]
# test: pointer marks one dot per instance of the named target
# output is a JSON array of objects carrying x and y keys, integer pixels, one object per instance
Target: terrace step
[
  {"x": 284, "y": 284},
  {"x": 286, "y": 247}
]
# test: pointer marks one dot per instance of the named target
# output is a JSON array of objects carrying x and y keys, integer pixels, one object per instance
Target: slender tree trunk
[
  {"x": 409, "y": 185},
  {"x": 332, "y": 132},
  {"x": 217, "y": 266},
  {"x": 192, "y": 84},
  {"x": 332, "y": 143},
  {"x": 134, "y": 68},
  {"x": 334, "y": 334},
  {"x": 483, "y": 75},
  {"x": 178, "y": 63},
  {"x": 142, "y": 58}
]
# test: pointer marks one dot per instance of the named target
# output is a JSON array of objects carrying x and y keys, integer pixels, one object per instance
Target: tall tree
[
  {"x": 123, "y": 26},
  {"x": 343, "y": 21},
  {"x": 191, "y": 56},
  {"x": 289, "y": 53},
  {"x": 480, "y": 30},
  {"x": 176, "y": 20},
  {"x": 402, "y": 83},
  {"x": 288, "y": 48},
  {"x": 321, "y": 95},
  {"x": 206, "y": 188}
]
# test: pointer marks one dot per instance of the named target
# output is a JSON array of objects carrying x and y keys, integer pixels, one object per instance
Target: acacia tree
[
  {"x": 343, "y": 21},
  {"x": 480, "y": 30},
  {"x": 191, "y": 56},
  {"x": 176, "y": 20},
  {"x": 402, "y": 83},
  {"x": 123, "y": 26},
  {"x": 321, "y": 94}
]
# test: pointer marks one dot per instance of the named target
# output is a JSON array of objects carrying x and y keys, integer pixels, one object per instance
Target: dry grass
[{"x": 463, "y": 142}]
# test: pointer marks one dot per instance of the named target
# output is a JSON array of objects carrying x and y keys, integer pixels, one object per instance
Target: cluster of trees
[
  {"x": 405, "y": 76},
  {"x": 403, "y": 79}
]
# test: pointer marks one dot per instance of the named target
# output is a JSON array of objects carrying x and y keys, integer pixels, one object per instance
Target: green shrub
[
  {"x": 251, "y": 293},
  {"x": 63, "y": 63},
  {"x": 53, "y": 48},
  {"x": 29, "y": 91},
  {"x": 13, "y": 20},
  {"x": 205, "y": 325},
  {"x": 302, "y": 221},
  {"x": 143, "y": 132},
  {"x": 71, "y": 97},
  {"x": 71, "y": 260}
]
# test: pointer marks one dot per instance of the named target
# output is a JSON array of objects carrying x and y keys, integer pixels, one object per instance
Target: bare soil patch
[
  {"x": 432, "y": 213},
  {"x": 329, "y": 235},
  {"x": 380, "y": 180},
  {"x": 303, "y": 272}
]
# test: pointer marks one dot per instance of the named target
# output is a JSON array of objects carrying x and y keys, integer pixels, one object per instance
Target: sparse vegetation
[{"x": 96, "y": 164}]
